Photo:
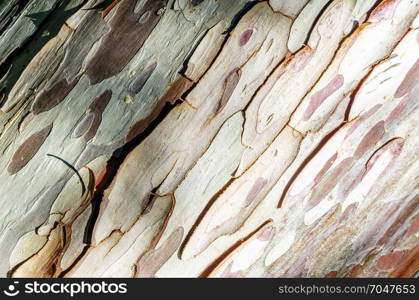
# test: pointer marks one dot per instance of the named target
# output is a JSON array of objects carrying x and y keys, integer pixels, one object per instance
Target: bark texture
[{"x": 184, "y": 138}]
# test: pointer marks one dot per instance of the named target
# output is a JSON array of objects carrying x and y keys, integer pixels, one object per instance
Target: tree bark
[{"x": 187, "y": 138}]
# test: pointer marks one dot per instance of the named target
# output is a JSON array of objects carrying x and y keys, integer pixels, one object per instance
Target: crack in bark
[
  {"x": 53, "y": 23},
  {"x": 114, "y": 164},
  {"x": 203, "y": 213},
  {"x": 210, "y": 268},
  {"x": 316, "y": 19},
  {"x": 346, "y": 116},
  {"x": 319, "y": 146},
  {"x": 120, "y": 154}
]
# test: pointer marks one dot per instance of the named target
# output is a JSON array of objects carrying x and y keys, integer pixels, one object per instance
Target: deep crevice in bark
[
  {"x": 19, "y": 59},
  {"x": 113, "y": 165}
]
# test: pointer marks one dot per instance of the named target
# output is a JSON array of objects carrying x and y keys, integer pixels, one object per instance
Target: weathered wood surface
[{"x": 211, "y": 138}]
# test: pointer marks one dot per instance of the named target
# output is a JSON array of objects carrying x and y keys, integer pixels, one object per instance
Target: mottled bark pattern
[{"x": 209, "y": 138}]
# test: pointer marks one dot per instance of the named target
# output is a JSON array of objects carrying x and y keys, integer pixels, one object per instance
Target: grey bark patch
[
  {"x": 83, "y": 125},
  {"x": 89, "y": 125}
]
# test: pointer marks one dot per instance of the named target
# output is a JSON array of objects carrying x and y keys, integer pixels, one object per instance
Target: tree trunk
[{"x": 187, "y": 138}]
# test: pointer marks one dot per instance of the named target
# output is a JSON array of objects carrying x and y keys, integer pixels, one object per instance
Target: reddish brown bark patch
[
  {"x": 390, "y": 261},
  {"x": 83, "y": 125},
  {"x": 27, "y": 150},
  {"x": 395, "y": 146},
  {"x": 52, "y": 97},
  {"x": 97, "y": 108},
  {"x": 128, "y": 32},
  {"x": 245, "y": 37},
  {"x": 409, "y": 265},
  {"x": 331, "y": 274},
  {"x": 108, "y": 9},
  {"x": 402, "y": 216}
]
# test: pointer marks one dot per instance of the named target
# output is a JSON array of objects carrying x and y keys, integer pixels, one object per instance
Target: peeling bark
[{"x": 209, "y": 138}]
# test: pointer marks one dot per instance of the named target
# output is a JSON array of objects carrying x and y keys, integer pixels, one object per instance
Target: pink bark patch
[
  {"x": 245, "y": 36},
  {"x": 152, "y": 260},
  {"x": 396, "y": 112},
  {"x": 395, "y": 147},
  {"x": 227, "y": 273},
  {"x": 256, "y": 188},
  {"x": 326, "y": 167},
  {"x": 301, "y": 59},
  {"x": 364, "y": 116},
  {"x": 328, "y": 183},
  {"x": 266, "y": 234},
  {"x": 320, "y": 96},
  {"x": 350, "y": 182},
  {"x": 410, "y": 80},
  {"x": 347, "y": 213},
  {"x": 389, "y": 261},
  {"x": 370, "y": 139},
  {"x": 384, "y": 11}
]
